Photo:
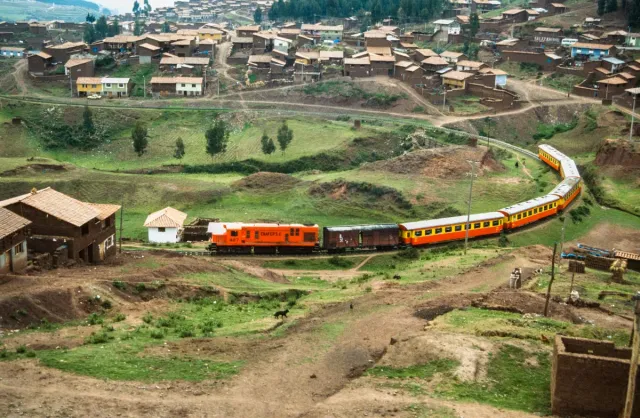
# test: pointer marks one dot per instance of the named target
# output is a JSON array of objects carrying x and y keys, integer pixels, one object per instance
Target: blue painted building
[
  {"x": 591, "y": 51},
  {"x": 12, "y": 52}
]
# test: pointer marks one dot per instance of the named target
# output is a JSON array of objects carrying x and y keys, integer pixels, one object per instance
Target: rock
[
  {"x": 313, "y": 376},
  {"x": 393, "y": 341}
]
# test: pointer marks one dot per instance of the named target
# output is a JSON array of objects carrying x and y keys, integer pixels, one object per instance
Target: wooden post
[
  {"x": 633, "y": 364},
  {"x": 571, "y": 288},
  {"x": 553, "y": 276},
  {"x": 121, "y": 216}
]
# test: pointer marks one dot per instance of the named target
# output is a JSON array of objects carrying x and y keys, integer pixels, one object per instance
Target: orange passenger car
[
  {"x": 263, "y": 238},
  {"x": 550, "y": 155},
  {"x": 530, "y": 211},
  {"x": 450, "y": 229},
  {"x": 567, "y": 190}
]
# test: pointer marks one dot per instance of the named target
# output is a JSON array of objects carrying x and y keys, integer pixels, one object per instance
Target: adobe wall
[{"x": 589, "y": 378}]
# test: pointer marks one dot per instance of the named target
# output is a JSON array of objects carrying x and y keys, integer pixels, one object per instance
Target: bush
[
  {"x": 4, "y": 353},
  {"x": 119, "y": 317},
  {"x": 21, "y": 349},
  {"x": 31, "y": 353},
  {"x": 157, "y": 334},
  {"x": 95, "y": 319},
  {"x": 186, "y": 332},
  {"x": 118, "y": 284},
  {"x": 147, "y": 318},
  {"x": 418, "y": 109},
  {"x": 98, "y": 338},
  {"x": 579, "y": 213},
  {"x": 343, "y": 118},
  {"x": 503, "y": 241},
  {"x": 340, "y": 262},
  {"x": 107, "y": 304},
  {"x": 140, "y": 287},
  {"x": 411, "y": 253}
]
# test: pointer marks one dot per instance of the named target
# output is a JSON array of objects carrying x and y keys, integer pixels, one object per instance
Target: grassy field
[
  {"x": 563, "y": 82},
  {"x": 26, "y": 10},
  {"x": 467, "y": 105}
]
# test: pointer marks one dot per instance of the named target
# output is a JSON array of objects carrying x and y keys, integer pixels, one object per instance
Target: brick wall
[{"x": 589, "y": 378}]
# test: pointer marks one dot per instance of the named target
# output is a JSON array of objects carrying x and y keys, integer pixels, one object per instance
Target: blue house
[
  {"x": 582, "y": 50},
  {"x": 12, "y": 52}
]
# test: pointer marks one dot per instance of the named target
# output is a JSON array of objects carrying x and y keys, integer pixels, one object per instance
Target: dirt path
[
  {"x": 18, "y": 74},
  {"x": 416, "y": 96}
]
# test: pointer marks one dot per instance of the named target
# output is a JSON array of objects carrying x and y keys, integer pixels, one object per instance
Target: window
[
  {"x": 519, "y": 216},
  {"x": 19, "y": 248},
  {"x": 530, "y": 213},
  {"x": 418, "y": 233},
  {"x": 93, "y": 86},
  {"x": 428, "y": 232},
  {"x": 234, "y": 233},
  {"x": 447, "y": 229},
  {"x": 193, "y": 85},
  {"x": 107, "y": 222},
  {"x": 256, "y": 235},
  {"x": 496, "y": 223},
  {"x": 121, "y": 85},
  {"x": 476, "y": 225},
  {"x": 108, "y": 85},
  {"x": 297, "y": 231},
  {"x": 535, "y": 210},
  {"x": 309, "y": 237},
  {"x": 109, "y": 242},
  {"x": 248, "y": 235},
  {"x": 161, "y": 229},
  {"x": 184, "y": 85},
  {"x": 544, "y": 207},
  {"x": 438, "y": 230},
  {"x": 458, "y": 228},
  {"x": 291, "y": 231},
  {"x": 85, "y": 229},
  {"x": 486, "y": 224}
]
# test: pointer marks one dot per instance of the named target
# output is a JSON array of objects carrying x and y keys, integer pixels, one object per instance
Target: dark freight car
[{"x": 342, "y": 238}]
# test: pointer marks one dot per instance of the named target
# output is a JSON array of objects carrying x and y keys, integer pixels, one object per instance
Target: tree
[
  {"x": 138, "y": 28},
  {"x": 268, "y": 147},
  {"x": 87, "y": 121},
  {"x": 217, "y": 137},
  {"x": 114, "y": 28},
  {"x": 376, "y": 12},
  {"x": 179, "y": 151},
  {"x": 257, "y": 15},
  {"x": 136, "y": 8},
  {"x": 147, "y": 8},
  {"x": 611, "y": 6},
  {"x": 601, "y": 7},
  {"x": 401, "y": 15},
  {"x": 634, "y": 14},
  {"x": 139, "y": 136},
  {"x": 90, "y": 18},
  {"x": 285, "y": 136},
  {"x": 102, "y": 28},
  {"x": 166, "y": 28},
  {"x": 474, "y": 24},
  {"x": 89, "y": 35}
]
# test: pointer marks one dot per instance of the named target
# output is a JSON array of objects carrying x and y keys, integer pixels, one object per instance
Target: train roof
[
  {"x": 218, "y": 228},
  {"x": 342, "y": 228},
  {"x": 529, "y": 204},
  {"x": 564, "y": 186},
  {"x": 569, "y": 168},
  {"x": 552, "y": 151},
  {"x": 451, "y": 221}
]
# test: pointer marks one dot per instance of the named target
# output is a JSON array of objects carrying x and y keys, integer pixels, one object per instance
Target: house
[
  {"x": 456, "y": 79},
  {"x": 210, "y": 33},
  {"x": 612, "y": 86},
  {"x": 485, "y": 5},
  {"x": 470, "y": 66},
  {"x": 61, "y": 224},
  {"x": 376, "y": 38},
  {"x": 444, "y": 28},
  {"x": 62, "y": 53},
  {"x": 382, "y": 64},
  {"x": 617, "y": 37},
  {"x": 165, "y": 226},
  {"x": 324, "y": 32},
  {"x": 263, "y": 42},
  {"x": 289, "y": 33},
  {"x": 334, "y": 57},
  {"x": 13, "y": 242},
  {"x": 260, "y": 61},
  {"x": 188, "y": 65},
  {"x": 547, "y": 36},
  {"x": 39, "y": 63},
  {"x": 557, "y": 8},
  {"x": 587, "y": 51},
  {"x": 79, "y": 67},
  {"x": 499, "y": 76},
  {"x": 408, "y": 72},
  {"x": 87, "y": 86},
  {"x": 12, "y": 51},
  {"x": 121, "y": 43},
  {"x": 633, "y": 40},
  {"x": 247, "y": 31},
  {"x": 515, "y": 15},
  {"x": 181, "y": 86},
  {"x": 545, "y": 60},
  {"x": 422, "y": 54},
  {"x": 282, "y": 44},
  {"x": 183, "y": 47},
  {"x": 96, "y": 47},
  {"x": 591, "y": 22},
  {"x": 434, "y": 63},
  {"x": 453, "y": 57},
  {"x": 146, "y": 52},
  {"x": 116, "y": 87},
  {"x": 242, "y": 43},
  {"x": 612, "y": 64},
  {"x": 357, "y": 67}
]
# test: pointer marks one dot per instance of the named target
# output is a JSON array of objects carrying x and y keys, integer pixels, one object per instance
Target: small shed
[{"x": 165, "y": 226}]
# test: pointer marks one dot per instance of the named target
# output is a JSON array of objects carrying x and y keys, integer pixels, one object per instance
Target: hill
[{"x": 67, "y": 10}]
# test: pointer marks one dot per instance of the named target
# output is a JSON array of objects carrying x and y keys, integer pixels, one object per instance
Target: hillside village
[{"x": 270, "y": 209}]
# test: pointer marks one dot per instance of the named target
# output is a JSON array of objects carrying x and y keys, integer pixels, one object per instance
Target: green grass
[
  {"x": 467, "y": 105},
  {"x": 518, "y": 71},
  {"x": 422, "y": 371},
  {"x": 563, "y": 82},
  {"x": 243, "y": 283},
  {"x": 25, "y": 10},
  {"x": 334, "y": 263}
]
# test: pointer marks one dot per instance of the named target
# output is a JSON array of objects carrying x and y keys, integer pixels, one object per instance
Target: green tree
[
  {"x": 90, "y": 18},
  {"x": 179, "y": 152},
  {"x": 268, "y": 146},
  {"x": 138, "y": 28},
  {"x": 633, "y": 16},
  {"x": 87, "y": 121},
  {"x": 147, "y": 8},
  {"x": 611, "y": 6},
  {"x": 166, "y": 28},
  {"x": 114, "y": 28},
  {"x": 102, "y": 28},
  {"x": 376, "y": 12},
  {"x": 401, "y": 15},
  {"x": 89, "y": 35},
  {"x": 136, "y": 8},
  {"x": 217, "y": 137},
  {"x": 285, "y": 136},
  {"x": 601, "y": 7},
  {"x": 474, "y": 24},
  {"x": 140, "y": 138},
  {"x": 257, "y": 15}
]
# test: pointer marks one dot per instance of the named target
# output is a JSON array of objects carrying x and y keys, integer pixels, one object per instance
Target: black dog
[{"x": 282, "y": 314}]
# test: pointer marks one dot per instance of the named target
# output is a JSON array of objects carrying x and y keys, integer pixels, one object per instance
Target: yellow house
[
  {"x": 212, "y": 34},
  {"x": 87, "y": 86},
  {"x": 455, "y": 79}
]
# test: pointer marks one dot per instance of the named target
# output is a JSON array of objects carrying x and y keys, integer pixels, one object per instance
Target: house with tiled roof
[
  {"x": 165, "y": 225},
  {"x": 65, "y": 226},
  {"x": 13, "y": 242}
]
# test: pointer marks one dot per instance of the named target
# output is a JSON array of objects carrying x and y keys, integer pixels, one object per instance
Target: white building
[
  {"x": 165, "y": 226},
  {"x": 189, "y": 86}
]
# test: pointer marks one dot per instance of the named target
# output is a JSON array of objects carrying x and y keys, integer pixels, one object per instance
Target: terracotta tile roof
[
  {"x": 626, "y": 76},
  {"x": 43, "y": 55},
  {"x": 10, "y": 222},
  {"x": 89, "y": 80},
  {"x": 434, "y": 61},
  {"x": 166, "y": 218},
  {"x": 451, "y": 54},
  {"x": 381, "y": 58},
  {"x": 77, "y": 61},
  {"x": 150, "y": 47},
  {"x": 404, "y": 64},
  {"x": 176, "y": 80},
  {"x": 357, "y": 61},
  {"x": 426, "y": 52},
  {"x": 591, "y": 46},
  {"x": 105, "y": 209},
  {"x": 472, "y": 64},
  {"x": 613, "y": 80},
  {"x": 457, "y": 75},
  {"x": 332, "y": 54},
  {"x": 379, "y": 50}
]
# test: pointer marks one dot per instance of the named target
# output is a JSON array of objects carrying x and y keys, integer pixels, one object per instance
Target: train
[{"x": 277, "y": 238}]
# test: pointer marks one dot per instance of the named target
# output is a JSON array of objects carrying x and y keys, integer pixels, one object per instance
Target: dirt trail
[{"x": 19, "y": 73}]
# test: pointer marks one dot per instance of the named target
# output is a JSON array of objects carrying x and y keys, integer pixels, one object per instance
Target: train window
[
  {"x": 447, "y": 229},
  {"x": 428, "y": 232},
  {"x": 458, "y": 227},
  {"x": 535, "y": 210},
  {"x": 291, "y": 231},
  {"x": 234, "y": 233},
  {"x": 530, "y": 212},
  {"x": 476, "y": 225},
  {"x": 438, "y": 230},
  {"x": 519, "y": 216},
  {"x": 496, "y": 223},
  {"x": 309, "y": 236},
  {"x": 248, "y": 234},
  {"x": 418, "y": 233},
  {"x": 486, "y": 224},
  {"x": 297, "y": 231},
  {"x": 257, "y": 235}
]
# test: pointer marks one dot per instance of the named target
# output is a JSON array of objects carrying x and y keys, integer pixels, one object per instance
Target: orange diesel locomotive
[{"x": 263, "y": 238}]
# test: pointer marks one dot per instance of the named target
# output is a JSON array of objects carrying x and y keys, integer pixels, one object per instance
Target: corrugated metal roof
[
  {"x": 166, "y": 218},
  {"x": 569, "y": 168},
  {"x": 552, "y": 151},
  {"x": 626, "y": 255},
  {"x": 478, "y": 217},
  {"x": 360, "y": 227},
  {"x": 564, "y": 186},
  {"x": 529, "y": 204},
  {"x": 10, "y": 222}
]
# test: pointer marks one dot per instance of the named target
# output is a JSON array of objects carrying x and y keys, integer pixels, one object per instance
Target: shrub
[
  {"x": 147, "y": 318},
  {"x": 4, "y": 353},
  {"x": 95, "y": 319},
  {"x": 140, "y": 287},
  {"x": 418, "y": 109},
  {"x": 107, "y": 304},
  {"x": 157, "y": 334},
  {"x": 31, "y": 353},
  {"x": 21, "y": 349},
  {"x": 119, "y": 284},
  {"x": 98, "y": 338},
  {"x": 343, "y": 118},
  {"x": 119, "y": 317},
  {"x": 186, "y": 332},
  {"x": 503, "y": 241},
  {"x": 340, "y": 262},
  {"x": 410, "y": 253}
]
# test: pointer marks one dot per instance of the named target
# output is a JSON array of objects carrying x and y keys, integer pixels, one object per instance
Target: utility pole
[
  {"x": 564, "y": 225},
  {"x": 121, "y": 216},
  {"x": 466, "y": 227},
  {"x": 444, "y": 101},
  {"x": 633, "y": 112},
  {"x": 71, "y": 87},
  {"x": 144, "y": 86},
  {"x": 553, "y": 276},
  {"x": 633, "y": 364}
]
